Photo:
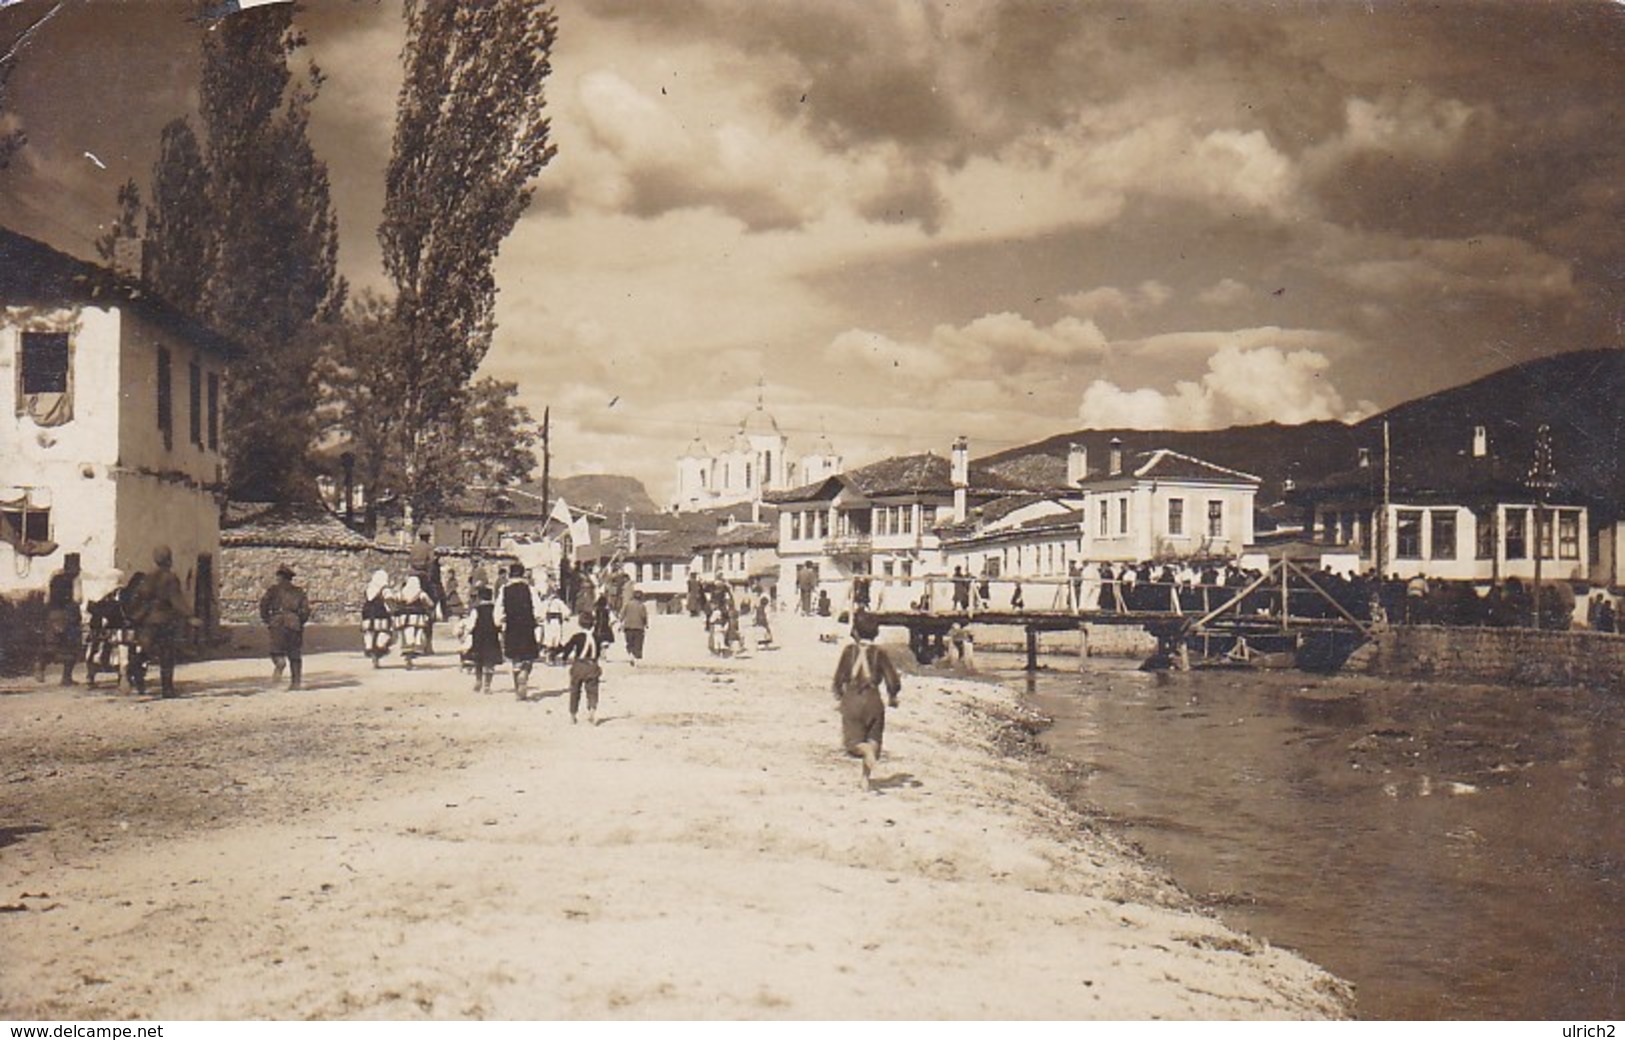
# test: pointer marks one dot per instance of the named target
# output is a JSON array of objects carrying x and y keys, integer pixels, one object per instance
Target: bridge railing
[{"x": 1304, "y": 597}]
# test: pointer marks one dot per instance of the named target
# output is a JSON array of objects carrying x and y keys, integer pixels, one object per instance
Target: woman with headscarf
[
  {"x": 377, "y": 627},
  {"x": 412, "y": 610}
]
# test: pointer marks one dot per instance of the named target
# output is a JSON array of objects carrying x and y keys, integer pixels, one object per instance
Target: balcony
[{"x": 852, "y": 544}]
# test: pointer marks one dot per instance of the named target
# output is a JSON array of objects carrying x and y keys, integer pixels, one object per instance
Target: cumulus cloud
[
  {"x": 1108, "y": 300},
  {"x": 994, "y": 346},
  {"x": 1224, "y": 293},
  {"x": 1492, "y": 264},
  {"x": 1240, "y": 386}
]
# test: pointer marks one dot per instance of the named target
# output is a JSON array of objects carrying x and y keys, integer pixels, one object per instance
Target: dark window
[
  {"x": 1105, "y": 508},
  {"x": 214, "y": 412},
  {"x": 1122, "y": 516},
  {"x": 1517, "y": 534},
  {"x": 1409, "y": 535},
  {"x": 1215, "y": 518},
  {"x": 1176, "y": 516},
  {"x": 194, "y": 395},
  {"x": 166, "y": 400},
  {"x": 45, "y": 363},
  {"x": 25, "y": 525},
  {"x": 1444, "y": 534},
  {"x": 1328, "y": 528},
  {"x": 1484, "y": 523}
]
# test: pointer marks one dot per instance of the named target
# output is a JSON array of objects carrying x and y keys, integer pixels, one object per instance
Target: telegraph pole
[{"x": 547, "y": 461}]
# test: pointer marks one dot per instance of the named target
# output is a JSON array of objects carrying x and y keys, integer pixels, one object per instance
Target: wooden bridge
[{"x": 1283, "y": 608}]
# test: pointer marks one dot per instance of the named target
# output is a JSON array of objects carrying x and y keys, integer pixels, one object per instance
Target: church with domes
[{"x": 754, "y": 459}]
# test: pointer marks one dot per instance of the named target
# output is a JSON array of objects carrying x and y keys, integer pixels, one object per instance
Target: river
[{"x": 1455, "y": 851}]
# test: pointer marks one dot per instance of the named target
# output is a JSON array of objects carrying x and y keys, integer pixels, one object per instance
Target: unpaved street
[{"x": 390, "y": 844}]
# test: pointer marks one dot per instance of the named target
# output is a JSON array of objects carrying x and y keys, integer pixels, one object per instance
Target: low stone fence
[
  {"x": 335, "y": 579},
  {"x": 1515, "y": 656}
]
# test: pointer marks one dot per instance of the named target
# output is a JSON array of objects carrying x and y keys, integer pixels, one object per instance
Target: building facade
[{"x": 110, "y": 438}]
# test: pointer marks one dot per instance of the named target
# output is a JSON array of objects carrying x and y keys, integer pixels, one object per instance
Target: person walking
[
  {"x": 762, "y": 623},
  {"x": 285, "y": 609},
  {"x": 64, "y": 624},
  {"x": 484, "y": 640},
  {"x": 411, "y": 611},
  {"x": 377, "y": 626},
  {"x": 585, "y": 677},
  {"x": 859, "y": 675},
  {"x": 554, "y": 612},
  {"x": 162, "y": 615},
  {"x": 961, "y": 589},
  {"x": 603, "y": 627},
  {"x": 516, "y": 616},
  {"x": 634, "y": 622}
]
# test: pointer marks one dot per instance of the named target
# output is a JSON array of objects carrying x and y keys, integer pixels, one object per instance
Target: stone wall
[
  {"x": 1516, "y": 656},
  {"x": 335, "y": 579}
]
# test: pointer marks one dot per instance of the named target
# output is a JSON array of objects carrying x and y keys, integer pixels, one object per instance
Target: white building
[
  {"x": 754, "y": 460},
  {"x": 111, "y": 443},
  {"x": 1158, "y": 506}
]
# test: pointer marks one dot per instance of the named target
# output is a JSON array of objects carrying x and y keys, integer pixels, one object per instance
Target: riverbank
[{"x": 392, "y": 845}]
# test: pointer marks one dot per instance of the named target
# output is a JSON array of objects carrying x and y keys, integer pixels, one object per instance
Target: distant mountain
[
  {"x": 1580, "y": 395},
  {"x": 604, "y": 493}
]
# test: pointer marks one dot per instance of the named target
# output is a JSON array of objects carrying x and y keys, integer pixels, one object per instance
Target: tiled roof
[
  {"x": 742, "y": 535},
  {"x": 1166, "y": 464},
  {"x": 665, "y": 545},
  {"x": 31, "y": 272},
  {"x": 290, "y": 525}
]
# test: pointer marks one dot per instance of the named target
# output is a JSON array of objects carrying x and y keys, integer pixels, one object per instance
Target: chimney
[
  {"x": 1116, "y": 466},
  {"x": 1077, "y": 464},
  {"x": 127, "y": 257},
  {"x": 755, "y": 510},
  {"x": 1481, "y": 442},
  {"x": 961, "y": 478}
]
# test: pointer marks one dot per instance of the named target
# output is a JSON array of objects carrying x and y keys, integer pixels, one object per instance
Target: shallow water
[{"x": 1455, "y": 851}]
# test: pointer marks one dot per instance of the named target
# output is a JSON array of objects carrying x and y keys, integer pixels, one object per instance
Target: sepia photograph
[{"x": 812, "y": 510}]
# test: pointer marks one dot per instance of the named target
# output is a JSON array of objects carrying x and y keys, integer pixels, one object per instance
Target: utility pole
[
  {"x": 1383, "y": 526},
  {"x": 547, "y": 462},
  {"x": 1542, "y": 478}
]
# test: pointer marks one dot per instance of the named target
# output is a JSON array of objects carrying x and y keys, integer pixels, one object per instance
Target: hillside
[
  {"x": 1580, "y": 395},
  {"x": 604, "y": 493}
]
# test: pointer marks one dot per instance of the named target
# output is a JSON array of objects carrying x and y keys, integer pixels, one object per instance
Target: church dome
[
  {"x": 758, "y": 423},
  {"x": 697, "y": 450}
]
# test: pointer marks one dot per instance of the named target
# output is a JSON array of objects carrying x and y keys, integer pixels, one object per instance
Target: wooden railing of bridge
[{"x": 1176, "y": 614}]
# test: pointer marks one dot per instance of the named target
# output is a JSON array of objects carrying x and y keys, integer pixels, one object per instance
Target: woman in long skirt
[
  {"x": 412, "y": 612},
  {"x": 377, "y": 626},
  {"x": 485, "y": 641}
]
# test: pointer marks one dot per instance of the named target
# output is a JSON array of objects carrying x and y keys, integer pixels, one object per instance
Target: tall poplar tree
[
  {"x": 273, "y": 250},
  {"x": 470, "y": 137},
  {"x": 179, "y": 234}
]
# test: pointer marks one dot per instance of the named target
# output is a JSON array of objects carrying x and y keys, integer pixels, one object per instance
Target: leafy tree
[
  {"x": 12, "y": 140},
  {"x": 470, "y": 136},
  {"x": 179, "y": 228},
  {"x": 481, "y": 438},
  {"x": 272, "y": 270},
  {"x": 125, "y": 226}
]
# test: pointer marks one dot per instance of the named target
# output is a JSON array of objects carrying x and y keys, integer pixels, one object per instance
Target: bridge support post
[
  {"x": 1032, "y": 649},
  {"x": 1083, "y": 647}
]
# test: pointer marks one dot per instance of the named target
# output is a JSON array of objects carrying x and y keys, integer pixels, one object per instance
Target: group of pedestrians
[
  {"x": 725, "y": 611},
  {"x": 139, "y": 622}
]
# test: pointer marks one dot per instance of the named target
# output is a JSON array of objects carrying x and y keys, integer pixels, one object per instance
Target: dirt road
[{"x": 390, "y": 844}]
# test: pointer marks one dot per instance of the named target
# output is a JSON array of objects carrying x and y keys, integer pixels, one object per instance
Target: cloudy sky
[{"x": 915, "y": 218}]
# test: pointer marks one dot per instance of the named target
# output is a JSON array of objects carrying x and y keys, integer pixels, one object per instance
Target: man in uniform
[
  {"x": 161, "y": 615},
  {"x": 285, "y": 609}
]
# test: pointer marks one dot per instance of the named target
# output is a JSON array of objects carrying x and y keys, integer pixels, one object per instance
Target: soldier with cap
[
  {"x": 285, "y": 609},
  {"x": 161, "y": 613}
]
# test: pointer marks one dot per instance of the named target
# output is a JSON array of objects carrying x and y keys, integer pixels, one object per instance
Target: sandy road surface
[{"x": 393, "y": 845}]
